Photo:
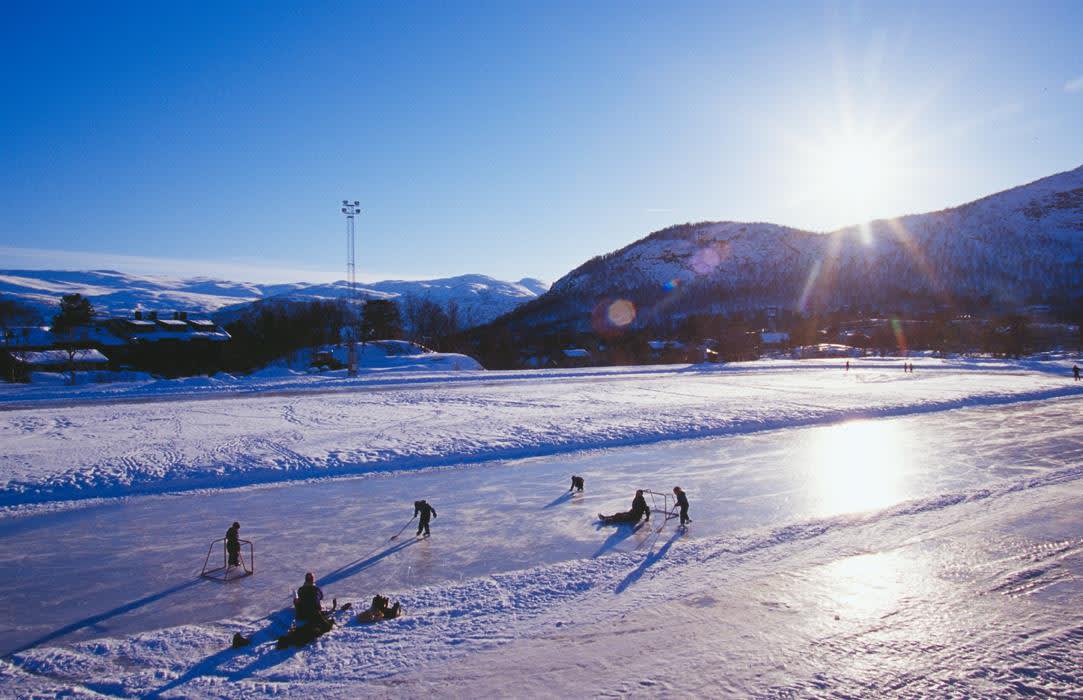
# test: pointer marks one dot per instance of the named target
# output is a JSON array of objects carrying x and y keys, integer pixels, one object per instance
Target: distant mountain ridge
[
  {"x": 1014, "y": 248},
  {"x": 479, "y": 297}
]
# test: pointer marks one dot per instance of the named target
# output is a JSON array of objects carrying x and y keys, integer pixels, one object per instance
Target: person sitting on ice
[
  {"x": 639, "y": 510},
  {"x": 426, "y": 511},
  {"x": 233, "y": 544},
  {"x": 380, "y": 610},
  {"x": 308, "y": 603},
  {"x": 577, "y": 483}
]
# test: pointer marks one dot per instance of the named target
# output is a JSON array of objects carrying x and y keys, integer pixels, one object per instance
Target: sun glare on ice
[{"x": 857, "y": 466}]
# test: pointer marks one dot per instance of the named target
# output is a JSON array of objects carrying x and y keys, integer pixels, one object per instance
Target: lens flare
[
  {"x": 706, "y": 260},
  {"x": 621, "y": 313},
  {"x": 900, "y": 337}
]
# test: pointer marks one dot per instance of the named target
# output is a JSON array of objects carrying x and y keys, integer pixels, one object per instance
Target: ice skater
[
  {"x": 233, "y": 544},
  {"x": 426, "y": 511},
  {"x": 1075, "y": 372},
  {"x": 577, "y": 481},
  {"x": 682, "y": 501}
]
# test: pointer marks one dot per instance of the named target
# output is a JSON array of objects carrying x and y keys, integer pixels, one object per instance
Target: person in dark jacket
[
  {"x": 639, "y": 509},
  {"x": 577, "y": 483},
  {"x": 233, "y": 544},
  {"x": 682, "y": 502},
  {"x": 426, "y": 511},
  {"x": 308, "y": 604},
  {"x": 1075, "y": 372}
]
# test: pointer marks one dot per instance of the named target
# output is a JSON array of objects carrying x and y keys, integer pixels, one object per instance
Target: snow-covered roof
[
  {"x": 173, "y": 324},
  {"x": 59, "y": 357}
]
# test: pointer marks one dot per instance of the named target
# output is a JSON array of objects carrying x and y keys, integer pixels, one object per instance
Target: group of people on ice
[
  {"x": 641, "y": 511},
  {"x": 312, "y": 620}
]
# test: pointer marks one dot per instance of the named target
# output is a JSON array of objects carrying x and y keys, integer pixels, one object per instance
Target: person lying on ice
[
  {"x": 424, "y": 510},
  {"x": 380, "y": 610},
  {"x": 577, "y": 483},
  {"x": 639, "y": 509}
]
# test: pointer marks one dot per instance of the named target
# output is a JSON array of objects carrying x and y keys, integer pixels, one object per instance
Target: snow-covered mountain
[
  {"x": 479, "y": 297},
  {"x": 1018, "y": 247}
]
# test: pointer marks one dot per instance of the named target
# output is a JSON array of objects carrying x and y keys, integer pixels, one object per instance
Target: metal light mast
[{"x": 351, "y": 210}]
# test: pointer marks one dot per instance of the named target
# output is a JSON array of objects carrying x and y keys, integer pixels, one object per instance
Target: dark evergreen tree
[
  {"x": 75, "y": 310},
  {"x": 380, "y": 319}
]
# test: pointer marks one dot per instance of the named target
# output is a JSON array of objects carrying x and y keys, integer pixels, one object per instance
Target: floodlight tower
[{"x": 351, "y": 210}]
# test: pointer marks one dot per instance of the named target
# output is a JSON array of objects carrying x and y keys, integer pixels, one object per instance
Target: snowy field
[{"x": 859, "y": 533}]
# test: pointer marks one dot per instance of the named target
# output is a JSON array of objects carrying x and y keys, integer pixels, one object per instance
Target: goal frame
[
  {"x": 667, "y": 500},
  {"x": 225, "y": 573}
]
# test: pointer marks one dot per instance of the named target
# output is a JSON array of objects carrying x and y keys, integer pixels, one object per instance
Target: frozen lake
[{"x": 129, "y": 565}]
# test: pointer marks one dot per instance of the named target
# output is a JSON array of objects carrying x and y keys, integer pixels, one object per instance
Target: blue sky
[{"x": 506, "y": 138}]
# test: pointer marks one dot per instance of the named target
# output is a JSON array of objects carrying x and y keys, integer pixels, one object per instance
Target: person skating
[
  {"x": 426, "y": 511},
  {"x": 1075, "y": 372},
  {"x": 233, "y": 544},
  {"x": 577, "y": 483},
  {"x": 639, "y": 510},
  {"x": 682, "y": 502}
]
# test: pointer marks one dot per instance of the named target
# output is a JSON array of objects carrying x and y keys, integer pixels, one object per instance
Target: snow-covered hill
[
  {"x": 479, "y": 297},
  {"x": 1018, "y": 247}
]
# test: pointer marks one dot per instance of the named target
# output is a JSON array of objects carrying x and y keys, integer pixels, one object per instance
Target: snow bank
[{"x": 86, "y": 451}]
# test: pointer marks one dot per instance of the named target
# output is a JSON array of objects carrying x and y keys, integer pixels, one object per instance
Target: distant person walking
[
  {"x": 233, "y": 544},
  {"x": 847, "y": 365},
  {"x": 426, "y": 511},
  {"x": 1075, "y": 372},
  {"x": 682, "y": 502}
]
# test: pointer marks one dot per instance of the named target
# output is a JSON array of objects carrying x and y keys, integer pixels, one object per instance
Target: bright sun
[
  {"x": 859, "y": 175},
  {"x": 850, "y": 175}
]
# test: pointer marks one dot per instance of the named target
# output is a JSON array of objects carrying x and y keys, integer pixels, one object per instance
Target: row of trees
[
  {"x": 281, "y": 329},
  {"x": 737, "y": 336}
]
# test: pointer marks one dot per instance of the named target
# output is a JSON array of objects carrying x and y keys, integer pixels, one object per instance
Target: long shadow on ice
[
  {"x": 623, "y": 532},
  {"x": 648, "y": 561},
  {"x": 352, "y": 568},
  {"x": 264, "y": 657},
  {"x": 94, "y": 620},
  {"x": 567, "y": 496}
]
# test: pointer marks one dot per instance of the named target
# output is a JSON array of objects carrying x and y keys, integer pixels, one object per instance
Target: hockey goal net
[
  {"x": 661, "y": 502},
  {"x": 246, "y": 562}
]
